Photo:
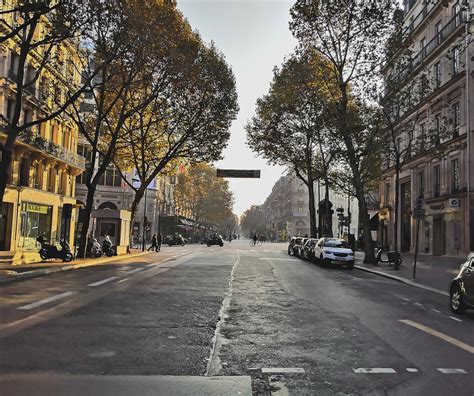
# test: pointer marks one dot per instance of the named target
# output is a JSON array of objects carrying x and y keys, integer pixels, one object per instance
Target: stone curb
[
  {"x": 402, "y": 280},
  {"x": 46, "y": 271}
]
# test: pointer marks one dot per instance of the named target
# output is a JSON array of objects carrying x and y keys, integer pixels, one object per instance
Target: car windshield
[{"x": 336, "y": 243}]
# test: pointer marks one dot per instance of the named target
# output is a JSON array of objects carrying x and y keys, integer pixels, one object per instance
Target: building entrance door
[
  {"x": 6, "y": 226},
  {"x": 439, "y": 240}
]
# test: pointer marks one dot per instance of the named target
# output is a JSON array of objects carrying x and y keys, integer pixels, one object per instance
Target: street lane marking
[
  {"x": 278, "y": 259},
  {"x": 375, "y": 370},
  {"x": 282, "y": 370},
  {"x": 435, "y": 310},
  {"x": 48, "y": 300},
  {"x": 412, "y": 370},
  {"x": 406, "y": 299},
  {"x": 420, "y": 305},
  {"x": 438, "y": 334},
  {"x": 135, "y": 270},
  {"x": 123, "y": 280},
  {"x": 102, "y": 281},
  {"x": 452, "y": 371},
  {"x": 456, "y": 319}
]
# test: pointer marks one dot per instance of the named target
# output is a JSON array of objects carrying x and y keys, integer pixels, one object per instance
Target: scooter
[
  {"x": 48, "y": 251},
  {"x": 107, "y": 246},
  {"x": 93, "y": 247},
  {"x": 392, "y": 257}
]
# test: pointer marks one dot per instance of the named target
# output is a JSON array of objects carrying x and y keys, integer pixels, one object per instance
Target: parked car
[
  {"x": 461, "y": 290},
  {"x": 215, "y": 240},
  {"x": 307, "y": 251},
  {"x": 298, "y": 249},
  {"x": 334, "y": 250},
  {"x": 293, "y": 242}
]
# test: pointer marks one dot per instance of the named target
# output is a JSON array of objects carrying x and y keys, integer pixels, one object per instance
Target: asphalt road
[{"x": 197, "y": 312}]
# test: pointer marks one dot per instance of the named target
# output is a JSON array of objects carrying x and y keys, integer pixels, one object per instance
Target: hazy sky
[{"x": 254, "y": 36}]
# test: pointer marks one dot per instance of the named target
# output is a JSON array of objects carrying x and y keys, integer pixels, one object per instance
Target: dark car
[
  {"x": 462, "y": 287},
  {"x": 307, "y": 251},
  {"x": 215, "y": 240},
  {"x": 293, "y": 242},
  {"x": 298, "y": 248}
]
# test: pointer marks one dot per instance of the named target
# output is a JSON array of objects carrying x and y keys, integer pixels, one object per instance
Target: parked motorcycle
[
  {"x": 93, "y": 247},
  {"x": 392, "y": 257},
  {"x": 107, "y": 247},
  {"x": 48, "y": 251}
]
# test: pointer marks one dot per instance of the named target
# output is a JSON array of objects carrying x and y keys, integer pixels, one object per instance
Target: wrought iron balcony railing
[{"x": 52, "y": 149}]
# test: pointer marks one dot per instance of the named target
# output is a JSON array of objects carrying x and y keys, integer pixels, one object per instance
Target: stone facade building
[
  {"x": 442, "y": 170},
  {"x": 287, "y": 214},
  {"x": 39, "y": 198}
]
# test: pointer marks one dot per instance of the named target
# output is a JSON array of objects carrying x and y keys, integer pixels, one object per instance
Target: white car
[{"x": 334, "y": 250}]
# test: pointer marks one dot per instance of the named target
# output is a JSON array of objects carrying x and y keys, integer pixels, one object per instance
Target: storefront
[{"x": 35, "y": 220}]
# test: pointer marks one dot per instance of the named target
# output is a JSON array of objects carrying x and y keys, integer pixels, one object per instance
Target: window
[
  {"x": 455, "y": 61},
  {"x": 436, "y": 180},
  {"x": 421, "y": 183},
  {"x": 437, "y": 74},
  {"x": 436, "y": 132},
  {"x": 422, "y": 45},
  {"x": 438, "y": 32},
  {"x": 456, "y": 119},
  {"x": 422, "y": 138},
  {"x": 111, "y": 177},
  {"x": 454, "y": 175}
]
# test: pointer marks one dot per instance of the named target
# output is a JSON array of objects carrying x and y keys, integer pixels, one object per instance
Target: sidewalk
[
  {"x": 433, "y": 273},
  {"x": 18, "y": 272}
]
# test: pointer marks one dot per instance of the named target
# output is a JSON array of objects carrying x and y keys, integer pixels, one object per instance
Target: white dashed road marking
[
  {"x": 48, "y": 300},
  {"x": 412, "y": 370},
  {"x": 136, "y": 270},
  {"x": 275, "y": 370},
  {"x": 375, "y": 370},
  {"x": 420, "y": 305},
  {"x": 123, "y": 280},
  {"x": 456, "y": 319},
  {"x": 102, "y": 281},
  {"x": 435, "y": 310},
  {"x": 452, "y": 371}
]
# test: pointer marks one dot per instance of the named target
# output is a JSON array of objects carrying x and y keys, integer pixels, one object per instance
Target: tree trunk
[
  {"x": 312, "y": 210},
  {"x": 136, "y": 201},
  {"x": 85, "y": 220},
  {"x": 396, "y": 207}
]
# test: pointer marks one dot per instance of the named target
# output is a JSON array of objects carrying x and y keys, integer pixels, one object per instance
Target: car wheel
[
  {"x": 68, "y": 257},
  {"x": 289, "y": 252},
  {"x": 350, "y": 265},
  {"x": 457, "y": 305}
]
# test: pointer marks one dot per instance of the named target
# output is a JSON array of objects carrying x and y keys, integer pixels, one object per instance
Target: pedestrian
[
  {"x": 158, "y": 244},
  {"x": 153, "y": 243}
]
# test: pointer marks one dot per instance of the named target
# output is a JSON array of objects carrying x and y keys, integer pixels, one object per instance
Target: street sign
[
  {"x": 239, "y": 173},
  {"x": 454, "y": 202}
]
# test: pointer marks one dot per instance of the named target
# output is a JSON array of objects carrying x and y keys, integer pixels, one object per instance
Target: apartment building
[
  {"x": 286, "y": 209},
  {"x": 39, "y": 198},
  {"x": 441, "y": 170}
]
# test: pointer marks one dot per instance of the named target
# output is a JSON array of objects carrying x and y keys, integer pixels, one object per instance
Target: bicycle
[{"x": 255, "y": 243}]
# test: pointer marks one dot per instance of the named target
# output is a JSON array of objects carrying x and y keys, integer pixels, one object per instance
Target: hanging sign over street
[{"x": 239, "y": 173}]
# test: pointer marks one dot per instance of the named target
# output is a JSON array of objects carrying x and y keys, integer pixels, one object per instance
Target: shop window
[
  {"x": 455, "y": 175},
  {"x": 35, "y": 220}
]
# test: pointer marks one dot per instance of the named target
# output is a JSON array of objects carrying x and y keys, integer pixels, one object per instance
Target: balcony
[
  {"x": 52, "y": 149},
  {"x": 452, "y": 25}
]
